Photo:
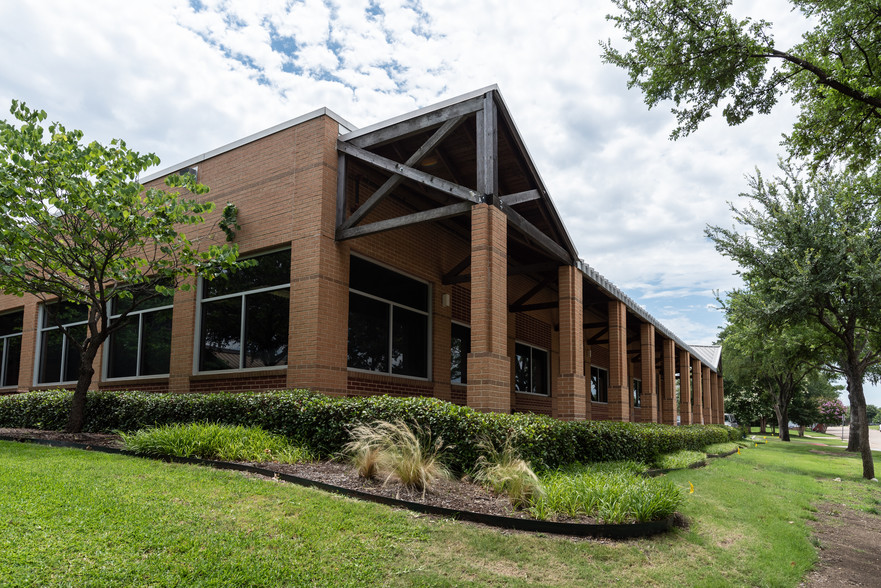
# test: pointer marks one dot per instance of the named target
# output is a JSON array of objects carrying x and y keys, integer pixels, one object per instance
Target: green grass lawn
[{"x": 68, "y": 517}]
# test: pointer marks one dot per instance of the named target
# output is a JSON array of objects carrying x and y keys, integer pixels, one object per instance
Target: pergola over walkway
[{"x": 463, "y": 164}]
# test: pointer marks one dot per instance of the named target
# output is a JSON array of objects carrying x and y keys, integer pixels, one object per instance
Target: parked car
[{"x": 730, "y": 420}]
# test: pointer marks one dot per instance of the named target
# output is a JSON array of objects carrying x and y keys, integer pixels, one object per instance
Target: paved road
[{"x": 874, "y": 435}]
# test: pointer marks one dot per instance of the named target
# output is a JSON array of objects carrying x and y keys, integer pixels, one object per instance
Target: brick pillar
[
  {"x": 571, "y": 401},
  {"x": 183, "y": 324},
  {"x": 707, "y": 394},
  {"x": 619, "y": 391},
  {"x": 649, "y": 412},
  {"x": 318, "y": 334},
  {"x": 697, "y": 410},
  {"x": 441, "y": 351},
  {"x": 685, "y": 387},
  {"x": 714, "y": 395},
  {"x": 721, "y": 396},
  {"x": 668, "y": 383},
  {"x": 27, "y": 368},
  {"x": 489, "y": 367}
]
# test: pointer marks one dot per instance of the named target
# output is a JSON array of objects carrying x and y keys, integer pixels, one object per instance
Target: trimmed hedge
[{"x": 322, "y": 422}]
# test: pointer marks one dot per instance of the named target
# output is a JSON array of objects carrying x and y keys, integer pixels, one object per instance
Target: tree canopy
[
  {"x": 811, "y": 253},
  {"x": 699, "y": 55},
  {"x": 76, "y": 225}
]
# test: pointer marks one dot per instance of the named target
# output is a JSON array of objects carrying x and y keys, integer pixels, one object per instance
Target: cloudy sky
[{"x": 180, "y": 78}]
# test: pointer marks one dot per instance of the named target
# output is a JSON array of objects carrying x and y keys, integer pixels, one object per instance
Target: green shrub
[
  {"x": 322, "y": 423},
  {"x": 720, "y": 448},
  {"x": 213, "y": 441},
  {"x": 680, "y": 459}
]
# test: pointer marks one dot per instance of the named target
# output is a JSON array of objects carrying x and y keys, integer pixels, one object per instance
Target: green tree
[
  {"x": 776, "y": 360},
  {"x": 77, "y": 226},
  {"x": 699, "y": 55},
  {"x": 811, "y": 252}
]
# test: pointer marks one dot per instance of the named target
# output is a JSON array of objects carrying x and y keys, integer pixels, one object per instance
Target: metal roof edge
[
  {"x": 616, "y": 292},
  {"x": 249, "y": 139},
  {"x": 418, "y": 112}
]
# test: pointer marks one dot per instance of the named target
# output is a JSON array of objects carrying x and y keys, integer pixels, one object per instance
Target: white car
[{"x": 730, "y": 420}]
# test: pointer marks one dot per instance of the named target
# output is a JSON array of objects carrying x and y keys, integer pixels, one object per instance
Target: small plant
[
  {"x": 396, "y": 451},
  {"x": 214, "y": 441},
  {"x": 679, "y": 460},
  {"x": 506, "y": 472}
]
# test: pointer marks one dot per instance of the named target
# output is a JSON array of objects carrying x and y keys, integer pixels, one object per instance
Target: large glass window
[
  {"x": 460, "y": 347},
  {"x": 388, "y": 321},
  {"x": 245, "y": 316},
  {"x": 59, "y": 355},
  {"x": 637, "y": 393},
  {"x": 599, "y": 384},
  {"x": 10, "y": 347},
  {"x": 142, "y": 347},
  {"x": 530, "y": 369}
]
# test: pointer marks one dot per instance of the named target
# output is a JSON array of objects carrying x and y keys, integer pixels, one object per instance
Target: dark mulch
[{"x": 849, "y": 541}]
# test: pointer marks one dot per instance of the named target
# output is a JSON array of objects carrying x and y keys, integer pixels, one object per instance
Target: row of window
[{"x": 243, "y": 323}]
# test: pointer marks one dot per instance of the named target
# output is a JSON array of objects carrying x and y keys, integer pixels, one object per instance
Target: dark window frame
[
  {"x": 5, "y": 351},
  {"x": 135, "y": 316},
  {"x": 242, "y": 295},
  {"x": 391, "y": 306},
  {"x": 46, "y": 328},
  {"x": 598, "y": 395},
  {"x": 463, "y": 379},
  {"x": 636, "y": 388},
  {"x": 546, "y": 372}
]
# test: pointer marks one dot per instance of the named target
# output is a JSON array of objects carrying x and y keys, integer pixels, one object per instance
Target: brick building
[{"x": 418, "y": 256}]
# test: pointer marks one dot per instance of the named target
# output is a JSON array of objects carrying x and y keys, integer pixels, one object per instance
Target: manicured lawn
[{"x": 73, "y": 518}]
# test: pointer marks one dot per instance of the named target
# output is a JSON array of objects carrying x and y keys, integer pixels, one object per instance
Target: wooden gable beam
[
  {"x": 457, "y": 269},
  {"x": 418, "y": 123},
  {"x": 536, "y": 236},
  {"x": 390, "y": 184},
  {"x": 528, "y": 195},
  {"x": 517, "y": 305},
  {"x": 598, "y": 338},
  {"x": 404, "y": 221},
  {"x": 420, "y": 177}
]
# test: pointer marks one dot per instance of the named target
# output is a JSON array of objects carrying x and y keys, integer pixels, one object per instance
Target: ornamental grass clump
[
  {"x": 214, "y": 441},
  {"x": 503, "y": 470},
  {"x": 611, "y": 493},
  {"x": 396, "y": 451}
]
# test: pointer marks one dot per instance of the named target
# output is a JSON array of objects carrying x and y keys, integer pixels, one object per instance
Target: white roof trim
[{"x": 249, "y": 139}]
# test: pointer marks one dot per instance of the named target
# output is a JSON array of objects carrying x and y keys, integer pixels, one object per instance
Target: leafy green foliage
[
  {"x": 213, "y": 441},
  {"x": 700, "y": 56},
  {"x": 77, "y": 225},
  {"x": 323, "y": 423},
  {"x": 611, "y": 493}
]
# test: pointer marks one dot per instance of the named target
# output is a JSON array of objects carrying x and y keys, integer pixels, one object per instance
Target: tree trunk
[
  {"x": 77, "y": 417},
  {"x": 801, "y": 430},
  {"x": 853, "y": 438},
  {"x": 854, "y": 377},
  {"x": 762, "y": 426},
  {"x": 782, "y": 412}
]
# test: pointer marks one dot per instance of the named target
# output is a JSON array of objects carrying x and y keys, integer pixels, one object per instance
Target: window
[
  {"x": 141, "y": 347},
  {"x": 599, "y": 384},
  {"x": 244, "y": 317},
  {"x": 10, "y": 347},
  {"x": 388, "y": 321},
  {"x": 637, "y": 393},
  {"x": 460, "y": 347},
  {"x": 530, "y": 369},
  {"x": 59, "y": 355}
]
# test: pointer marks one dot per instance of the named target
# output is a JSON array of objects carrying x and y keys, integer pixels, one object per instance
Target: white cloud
[{"x": 180, "y": 80}]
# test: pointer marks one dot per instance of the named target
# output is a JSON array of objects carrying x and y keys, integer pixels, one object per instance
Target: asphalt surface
[{"x": 874, "y": 435}]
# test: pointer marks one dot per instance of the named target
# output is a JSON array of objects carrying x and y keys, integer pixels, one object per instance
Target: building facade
[{"x": 418, "y": 256}]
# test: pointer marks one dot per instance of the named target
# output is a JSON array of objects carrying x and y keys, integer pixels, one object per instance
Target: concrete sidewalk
[{"x": 874, "y": 435}]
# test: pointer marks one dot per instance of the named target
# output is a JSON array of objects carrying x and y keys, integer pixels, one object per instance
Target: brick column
[
  {"x": 649, "y": 411},
  {"x": 183, "y": 324},
  {"x": 685, "y": 388},
  {"x": 489, "y": 367},
  {"x": 619, "y": 390},
  {"x": 697, "y": 411},
  {"x": 714, "y": 396},
  {"x": 318, "y": 333},
  {"x": 707, "y": 394},
  {"x": 571, "y": 402},
  {"x": 668, "y": 383},
  {"x": 27, "y": 368},
  {"x": 721, "y": 399}
]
